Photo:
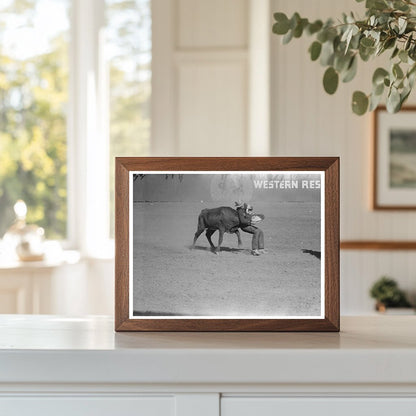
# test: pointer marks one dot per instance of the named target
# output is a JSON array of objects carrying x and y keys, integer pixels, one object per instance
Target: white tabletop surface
[
  {"x": 45, "y": 349},
  {"x": 50, "y": 332}
]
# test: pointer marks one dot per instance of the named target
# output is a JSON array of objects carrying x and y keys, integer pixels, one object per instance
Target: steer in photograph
[{"x": 227, "y": 244}]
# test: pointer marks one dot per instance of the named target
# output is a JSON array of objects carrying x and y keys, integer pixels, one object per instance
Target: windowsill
[
  {"x": 55, "y": 256},
  {"x": 64, "y": 257}
]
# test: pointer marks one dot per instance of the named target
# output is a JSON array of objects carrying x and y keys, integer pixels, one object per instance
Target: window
[
  {"x": 33, "y": 98},
  {"x": 75, "y": 87},
  {"x": 129, "y": 43}
]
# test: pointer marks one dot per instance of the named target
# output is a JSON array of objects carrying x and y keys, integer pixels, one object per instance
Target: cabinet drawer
[
  {"x": 87, "y": 406},
  {"x": 272, "y": 406}
]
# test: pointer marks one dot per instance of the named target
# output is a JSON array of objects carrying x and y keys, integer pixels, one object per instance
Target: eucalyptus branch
[{"x": 388, "y": 25}]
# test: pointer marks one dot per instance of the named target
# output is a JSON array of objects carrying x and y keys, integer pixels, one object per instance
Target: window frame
[{"x": 88, "y": 133}]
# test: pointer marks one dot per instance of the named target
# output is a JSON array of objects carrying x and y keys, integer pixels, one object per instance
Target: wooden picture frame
[
  {"x": 394, "y": 145},
  {"x": 306, "y": 206}
]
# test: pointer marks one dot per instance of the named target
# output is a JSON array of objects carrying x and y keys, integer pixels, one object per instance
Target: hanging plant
[{"x": 388, "y": 27}]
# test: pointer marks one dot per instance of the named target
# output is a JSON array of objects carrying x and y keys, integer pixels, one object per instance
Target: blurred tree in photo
[{"x": 33, "y": 100}]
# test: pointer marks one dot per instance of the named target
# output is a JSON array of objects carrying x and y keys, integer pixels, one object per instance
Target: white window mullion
[{"x": 88, "y": 134}]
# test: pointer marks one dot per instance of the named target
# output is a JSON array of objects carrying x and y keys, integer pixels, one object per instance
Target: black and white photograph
[{"x": 227, "y": 244}]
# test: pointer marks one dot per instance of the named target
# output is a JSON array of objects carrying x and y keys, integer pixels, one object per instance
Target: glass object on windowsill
[{"x": 23, "y": 240}]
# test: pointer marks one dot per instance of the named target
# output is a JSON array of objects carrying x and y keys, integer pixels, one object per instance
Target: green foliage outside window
[
  {"x": 33, "y": 99},
  {"x": 34, "y": 103}
]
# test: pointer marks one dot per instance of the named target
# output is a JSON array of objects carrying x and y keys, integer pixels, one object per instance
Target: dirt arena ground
[{"x": 171, "y": 279}]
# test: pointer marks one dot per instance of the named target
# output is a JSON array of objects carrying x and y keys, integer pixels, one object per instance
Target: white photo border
[{"x": 323, "y": 257}]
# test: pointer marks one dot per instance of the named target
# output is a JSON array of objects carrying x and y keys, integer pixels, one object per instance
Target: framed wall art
[
  {"x": 227, "y": 244},
  {"x": 394, "y": 178}
]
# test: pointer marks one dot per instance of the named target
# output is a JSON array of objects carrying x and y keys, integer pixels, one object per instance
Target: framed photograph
[
  {"x": 394, "y": 179},
  {"x": 227, "y": 244}
]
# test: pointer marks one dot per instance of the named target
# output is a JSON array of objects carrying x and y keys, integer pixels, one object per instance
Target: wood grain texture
[
  {"x": 332, "y": 265},
  {"x": 121, "y": 244},
  {"x": 376, "y": 204},
  {"x": 330, "y": 165},
  {"x": 378, "y": 245}
]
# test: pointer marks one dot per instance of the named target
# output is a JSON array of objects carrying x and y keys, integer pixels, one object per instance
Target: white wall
[
  {"x": 308, "y": 122},
  {"x": 202, "y": 84}
]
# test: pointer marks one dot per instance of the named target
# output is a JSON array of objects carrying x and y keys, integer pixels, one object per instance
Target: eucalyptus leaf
[
  {"x": 400, "y": 5},
  {"x": 404, "y": 96},
  {"x": 298, "y": 30},
  {"x": 395, "y": 52},
  {"x": 376, "y": 4},
  {"x": 403, "y": 56},
  {"x": 378, "y": 89},
  {"x": 393, "y": 101},
  {"x": 374, "y": 102},
  {"x": 330, "y": 80},
  {"x": 408, "y": 42},
  {"x": 327, "y": 54},
  {"x": 379, "y": 75},
  {"x": 341, "y": 62},
  {"x": 366, "y": 53},
  {"x": 367, "y": 42},
  {"x": 315, "y": 50},
  {"x": 359, "y": 103},
  {"x": 350, "y": 73},
  {"x": 402, "y": 22},
  {"x": 389, "y": 43},
  {"x": 281, "y": 26},
  {"x": 314, "y": 27},
  {"x": 288, "y": 37},
  {"x": 397, "y": 71}
]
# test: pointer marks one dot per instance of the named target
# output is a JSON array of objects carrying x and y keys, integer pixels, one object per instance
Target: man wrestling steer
[
  {"x": 247, "y": 221},
  {"x": 229, "y": 220}
]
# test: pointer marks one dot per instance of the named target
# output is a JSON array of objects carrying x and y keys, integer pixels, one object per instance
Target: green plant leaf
[
  {"x": 389, "y": 43},
  {"x": 341, "y": 61},
  {"x": 408, "y": 42},
  {"x": 351, "y": 71},
  {"x": 403, "y": 56},
  {"x": 400, "y": 5},
  {"x": 404, "y": 95},
  {"x": 367, "y": 42},
  {"x": 402, "y": 22},
  {"x": 281, "y": 27},
  {"x": 395, "y": 52},
  {"x": 359, "y": 103},
  {"x": 314, "y": 27},
  {"x": 330, "y": 80},
  {"x": 374, "y": 101},
  {"x": 288, "y": 37},
  {"x": 393, "y": 101},
  {"x": 379, "y": 75},
  {"x": 294, "y": 20},
  {"x": 397, "y": 71},
  {"x": 315, "y": 50},
  {"x": 365, "y": 51},
  {"x": 327, "y": 53},
  {"x": 376, "y": 4}
]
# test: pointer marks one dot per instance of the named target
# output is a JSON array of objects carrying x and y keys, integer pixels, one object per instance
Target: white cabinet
[
  {"x": 79, "y": 366},
  {"x": 87, "y": 406},
  {"x": 270, "y": 406}
]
